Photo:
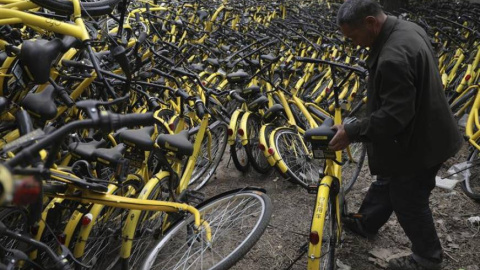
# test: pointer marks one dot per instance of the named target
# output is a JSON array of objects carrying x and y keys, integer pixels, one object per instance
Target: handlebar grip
[
  {"x": 66, "y": 99},
  {"x": 72, "y": 63},
  {"x": 153, "y": 104},
  {"x": 138, "y": 119},
  {"x": 200, "y": 108},
  {"x": 236, "y": 96},
  {"x": 182, "y": 94}
]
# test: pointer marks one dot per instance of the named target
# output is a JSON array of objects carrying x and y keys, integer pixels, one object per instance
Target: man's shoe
[
  {"x": 409, "y": 263},
  {"x": 354, "y": 225}
]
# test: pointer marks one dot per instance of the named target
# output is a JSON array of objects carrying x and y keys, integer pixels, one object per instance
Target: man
[{"x": 409, "y": 130}]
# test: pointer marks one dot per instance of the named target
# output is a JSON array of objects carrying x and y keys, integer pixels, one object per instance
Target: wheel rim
[
  {"x": 352, "y": 166},
  {"x": 296, "y": 155},
  {"x": 472, "y": 174},
  {"x": 232, "y": 220}
]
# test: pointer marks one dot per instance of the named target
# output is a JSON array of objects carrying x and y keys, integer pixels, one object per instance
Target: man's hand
[{"x": 340, "y": 141}]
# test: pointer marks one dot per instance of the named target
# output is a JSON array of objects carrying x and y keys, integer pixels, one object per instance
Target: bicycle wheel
[
  {"x": 237, "y": 220},
  {"x": 92, "y": 8},
  {"x": 295, "y": 154},
  {"x": 471, "y": 185},
  {"x": 211, "y": 153},
  {"x": 239, "y": 153},
  {"x": 14, "y": 219},
  {"x": 328, "y": 238},
  {"x": 102, "y": 241},
  {"x": 300, "y": 118},
  {"x": 353, "y": 165},
  {"x": 255, "y": 155},
  {"x": 149, "y": 226}
]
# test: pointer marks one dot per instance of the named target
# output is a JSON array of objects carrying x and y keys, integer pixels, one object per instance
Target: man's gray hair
[{"x": 352, "y": 12}]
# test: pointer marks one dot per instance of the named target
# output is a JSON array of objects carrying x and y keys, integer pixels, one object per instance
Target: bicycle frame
[
  {"x": 128, "y": 232},
  {"x": 333, "y": 173},
  {"x": 14, "y": 13},
  {"x": 472, "y": 129}
]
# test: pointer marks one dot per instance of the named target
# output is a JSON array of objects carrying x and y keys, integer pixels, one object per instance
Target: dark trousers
[{"x": 407, "y": 196}]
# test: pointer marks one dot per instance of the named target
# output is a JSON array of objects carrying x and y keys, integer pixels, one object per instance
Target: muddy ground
[{"x": 281, "y": 243}]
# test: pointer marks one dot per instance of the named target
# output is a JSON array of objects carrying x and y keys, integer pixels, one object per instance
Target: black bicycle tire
[
  {"x": 65, "y": 7},
  {"x": 22, "y": 214},
  {"x": 330, "y": 256},
  {"x": 157, "y": 189},
  {"x": 300, "y": 118},
  {"x": 466, "y": 187},
  {"x": 294, "y": 174},
  {"x": 251, "y": 147},
  {"x": 236, "y": 160},
  {"x": 133, "y": 183},
  {"x": 234, "y": 148},
  {"x": 207, "y": 174},
  {"x": 223, "y": 201},
  {"x": 347, "y": 185}
]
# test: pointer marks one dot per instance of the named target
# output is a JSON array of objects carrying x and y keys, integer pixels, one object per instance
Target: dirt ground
[{"x": 282, "y": 242}]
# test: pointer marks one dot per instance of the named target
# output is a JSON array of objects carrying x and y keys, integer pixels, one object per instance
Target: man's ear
[{"x": 370, "y": 22}]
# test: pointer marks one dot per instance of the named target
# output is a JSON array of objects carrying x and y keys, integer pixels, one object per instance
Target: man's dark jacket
[{"x": 409, "y": 126}]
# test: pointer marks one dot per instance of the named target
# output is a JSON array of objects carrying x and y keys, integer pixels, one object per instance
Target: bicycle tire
[
  {"x": 300, "y": 118},
  {"x": 352, "y": 168},
  {"x": 471, "y": 185},
  {"x": 223, "y": 213},
  {"x": 255, "y": 155},
  {"x": 239, "y": 153},
  {"x": 15, "y": 219},
  {"x": 295, "y": 154},
  {"x": 103, "y": 240},
  {"x": 211, "y": 159},
  {"x": 65, "y": 7},
  {"x": 149, "y": 222},
  {"x": 57, "y": 219},
  {"x": 329, "y": 237},
  {"x": 239, "y": 156}
]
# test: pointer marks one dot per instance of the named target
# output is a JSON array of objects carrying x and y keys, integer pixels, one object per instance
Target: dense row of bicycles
[{"x": 116, "y": 113}]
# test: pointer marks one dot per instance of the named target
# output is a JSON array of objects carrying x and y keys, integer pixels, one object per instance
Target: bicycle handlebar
[
  {"x": 358, "y": 70},
  {"x": 236, "y": 96},
  {"x": 106, "y": 120}
]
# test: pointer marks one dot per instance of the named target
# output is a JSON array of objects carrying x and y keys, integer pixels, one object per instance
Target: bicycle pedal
[{"x": 312, "y": 189}]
